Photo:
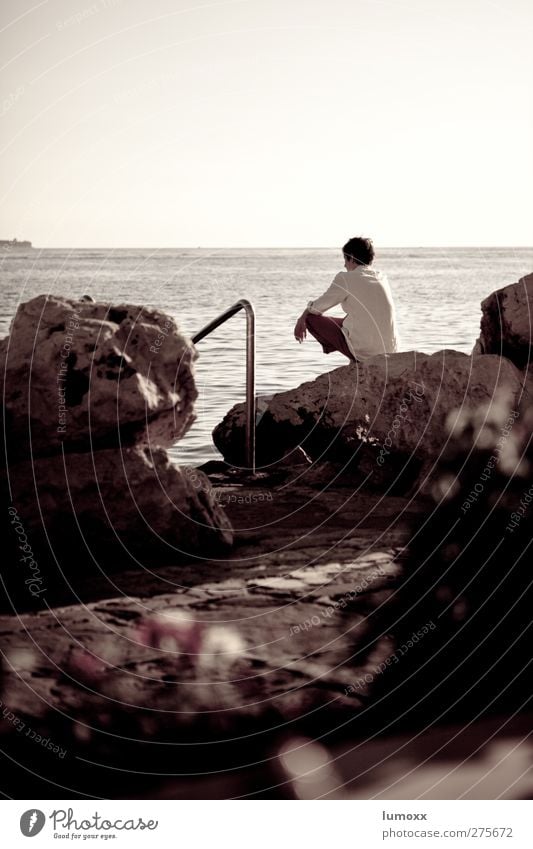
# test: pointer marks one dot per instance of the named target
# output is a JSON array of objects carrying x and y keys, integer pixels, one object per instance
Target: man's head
[{"x": 358, "y": 251}]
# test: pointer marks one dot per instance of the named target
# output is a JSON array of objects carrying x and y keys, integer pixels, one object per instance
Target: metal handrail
[{"x": 245, "y": 305}]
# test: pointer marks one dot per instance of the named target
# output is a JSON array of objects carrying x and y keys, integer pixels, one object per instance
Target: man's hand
[{"x": 300, "y": 331}]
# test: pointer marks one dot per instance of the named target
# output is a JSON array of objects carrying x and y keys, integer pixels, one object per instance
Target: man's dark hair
[{"x": 359, "y": 249}]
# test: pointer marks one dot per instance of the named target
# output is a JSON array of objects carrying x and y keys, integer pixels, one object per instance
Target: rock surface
[
  {"x": 387, "y": 418},
  {"x": 93, "y": 395},
  {"x": 134, "y": 499},
  {"x": 507, "y": 323},
  {"x": 196, "y": 677},
  {"x": 92, "y": 375},
  {"x": 249, "y": 647}
]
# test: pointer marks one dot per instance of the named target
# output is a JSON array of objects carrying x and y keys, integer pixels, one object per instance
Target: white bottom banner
[{"x": 171, "y": 823}]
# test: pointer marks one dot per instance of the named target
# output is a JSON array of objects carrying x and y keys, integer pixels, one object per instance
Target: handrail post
[
  {"x": 250, "y": 387},
  {"x": 249, "y": 432}
]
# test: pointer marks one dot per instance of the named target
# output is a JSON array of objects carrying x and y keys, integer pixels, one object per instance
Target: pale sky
[{"x": 168, "y": 123}]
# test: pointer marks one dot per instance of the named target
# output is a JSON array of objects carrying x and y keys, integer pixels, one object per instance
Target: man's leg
[{"x": 328, "y": 331}]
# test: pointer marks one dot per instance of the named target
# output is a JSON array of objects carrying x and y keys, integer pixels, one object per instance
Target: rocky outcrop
[
  {"x": 93, "y": 396},
  {"x": 132, "y": 499},
  {"x": 507, "y": 323},
  {"x": 84, "y": 375},
  {"x": 317, "y": 613},
  {"x": 384, "y": 417},
  {"x": 187, "y": 656}
]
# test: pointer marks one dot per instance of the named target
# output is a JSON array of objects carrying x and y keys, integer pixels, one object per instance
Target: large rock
[
  {"x": 134, "y": 500},
  {"x": 93, "y": 395},
  {"x": 507, "y": 323},
  {"x": 89, "y": 375},
  {"x": 383, "y": 415}
]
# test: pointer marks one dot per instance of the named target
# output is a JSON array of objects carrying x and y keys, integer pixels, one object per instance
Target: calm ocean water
[{"x": 437, "y": 293}]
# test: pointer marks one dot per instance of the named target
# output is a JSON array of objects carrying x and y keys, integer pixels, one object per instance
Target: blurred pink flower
[
  {"x": 210, "y": 646},
  {"x": 84, "y": 666},
  {"x": 172, "y": 631},
  {"x": 221, "y": 646}
]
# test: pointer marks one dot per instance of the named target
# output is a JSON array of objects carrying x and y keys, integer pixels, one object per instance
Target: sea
[{"x": 437, "y": 292}]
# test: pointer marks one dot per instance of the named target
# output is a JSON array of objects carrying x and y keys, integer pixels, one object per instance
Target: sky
[{"x": 173, "y": 123}]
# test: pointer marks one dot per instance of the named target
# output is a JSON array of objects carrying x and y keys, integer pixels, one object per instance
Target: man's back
[
  {"x": 369, "y": 327},
  {"x": 370, "y": 323}
]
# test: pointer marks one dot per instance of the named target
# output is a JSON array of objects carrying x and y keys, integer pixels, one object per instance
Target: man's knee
[{"x": 311, "y": 320}]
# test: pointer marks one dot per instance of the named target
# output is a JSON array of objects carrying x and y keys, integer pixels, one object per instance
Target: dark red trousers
[{"x": 328, "y": 331}]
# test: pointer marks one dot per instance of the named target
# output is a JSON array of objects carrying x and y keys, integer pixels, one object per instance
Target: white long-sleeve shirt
[{"x": 366, "y": 298}]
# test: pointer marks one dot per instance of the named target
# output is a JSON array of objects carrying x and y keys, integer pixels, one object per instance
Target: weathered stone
[
  {"x": 133, "y": 501},
  {"x": 388, "y": 413},
  {"x": 506, "y": 323},
  {"x": 93, "y": 394},
  {"x": 292, "y": 598},
  {"x": 94, "y": 375}
]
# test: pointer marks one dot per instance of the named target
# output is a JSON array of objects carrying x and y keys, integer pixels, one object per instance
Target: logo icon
[{"x": 31, "y": 822}]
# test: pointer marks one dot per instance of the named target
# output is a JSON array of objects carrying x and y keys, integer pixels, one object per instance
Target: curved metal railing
[{"x": 245, "y": 305}]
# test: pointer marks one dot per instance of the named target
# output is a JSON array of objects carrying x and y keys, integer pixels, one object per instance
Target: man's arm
[
  {"x": 331, "y": 297},
  {"x": 300, "y": 330}
]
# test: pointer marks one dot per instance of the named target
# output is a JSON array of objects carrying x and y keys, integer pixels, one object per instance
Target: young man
[{"x": 369, "y": 326}]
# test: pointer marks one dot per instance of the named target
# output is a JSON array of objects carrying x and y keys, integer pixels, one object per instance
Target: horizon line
[{"x": 266, "y": 247}]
